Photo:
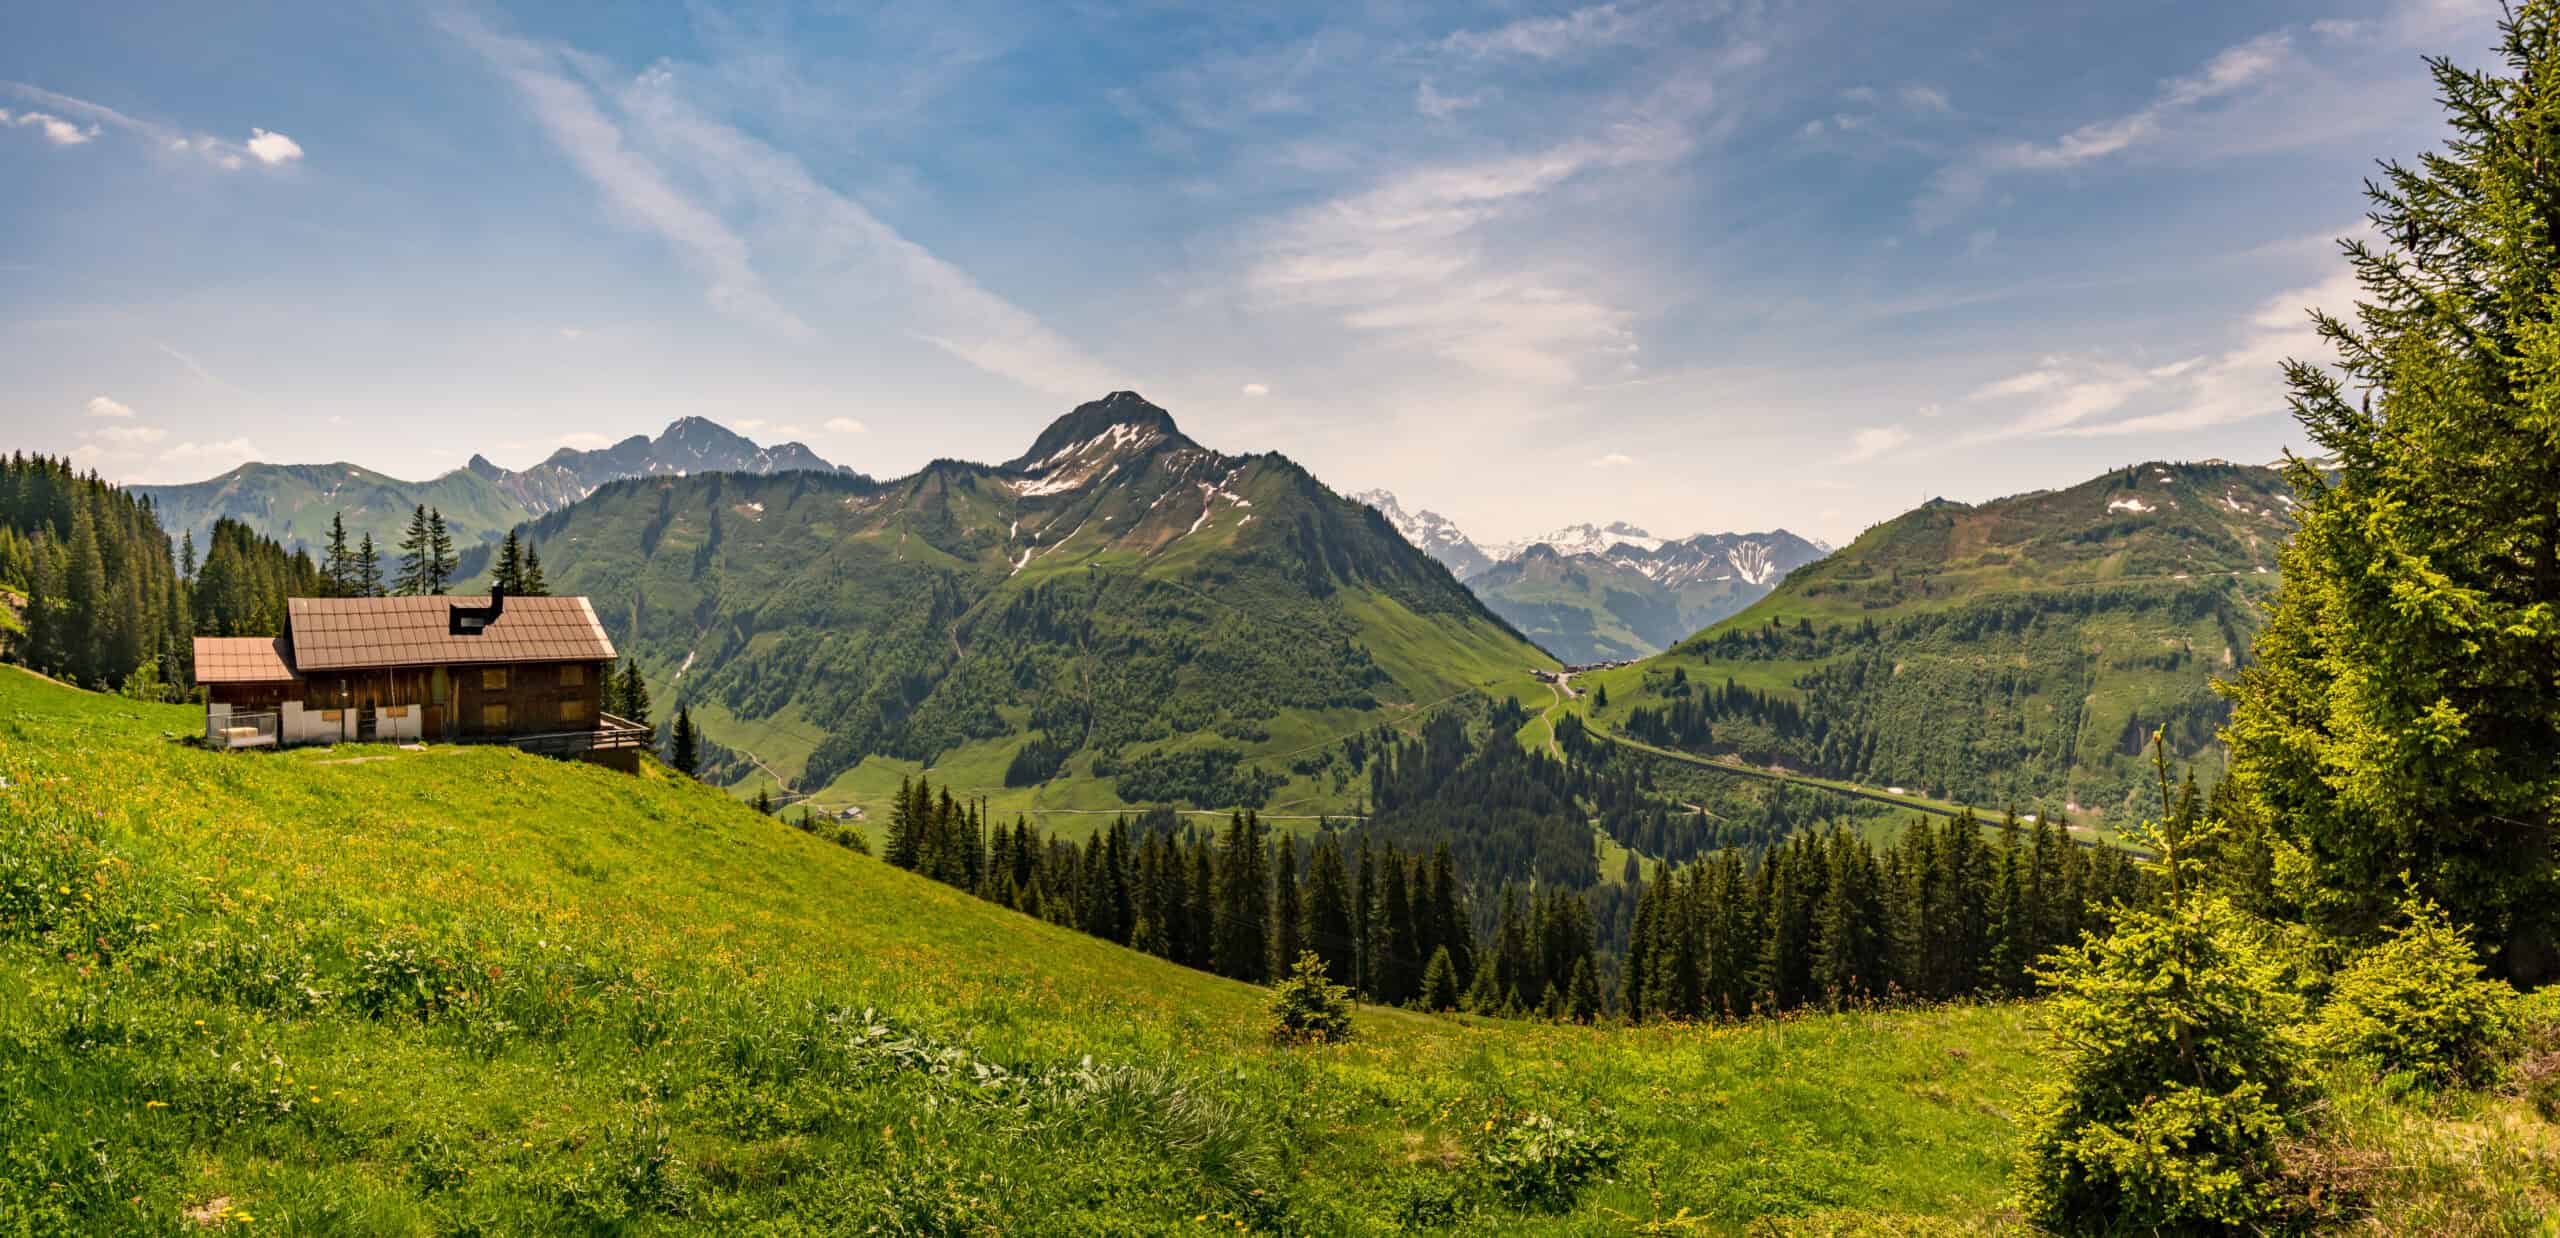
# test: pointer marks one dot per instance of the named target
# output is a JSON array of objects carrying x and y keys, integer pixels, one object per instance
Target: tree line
[
  {"x": 1398, "y": 926},
  {"x": 1948, "y": 910}
]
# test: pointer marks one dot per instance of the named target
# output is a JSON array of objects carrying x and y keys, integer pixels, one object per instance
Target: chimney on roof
[{"x": 473, "y": 620}]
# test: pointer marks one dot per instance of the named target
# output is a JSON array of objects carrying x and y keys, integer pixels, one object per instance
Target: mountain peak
[
  {"x": 1137, "y": 421},
  {"x": 482, "y": 465}
]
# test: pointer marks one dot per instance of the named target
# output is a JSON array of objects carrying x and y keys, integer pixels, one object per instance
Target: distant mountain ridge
[
  {"x": 1118, "y": 616},
  {"x": 1597, "y": 593},
  {"x": 293, "y": 503}
]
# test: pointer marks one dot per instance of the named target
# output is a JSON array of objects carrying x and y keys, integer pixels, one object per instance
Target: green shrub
[
  {"x": 2418, "y": 1004},
  {"x": 1537, "y": 1162},
  {"x": 1308, "y": 1007},
  {"x": 2172, "y": 1074}
]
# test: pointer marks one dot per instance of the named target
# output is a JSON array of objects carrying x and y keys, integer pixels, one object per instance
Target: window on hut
[
  {"x": 494, "y": 679},
  {"x": 493, "y": 715}
]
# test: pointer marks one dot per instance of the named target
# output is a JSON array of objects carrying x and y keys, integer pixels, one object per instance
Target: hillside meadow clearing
[{"x": 368, "y": 990}]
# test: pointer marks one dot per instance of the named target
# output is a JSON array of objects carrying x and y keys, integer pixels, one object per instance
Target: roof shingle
[
  {"x": 330, "y": 634},
  {"x": 242, "y": 659}
]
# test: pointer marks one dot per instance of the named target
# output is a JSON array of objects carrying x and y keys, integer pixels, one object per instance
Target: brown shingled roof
[
  {"x": 332, "y": 634},
  {"x": 242, "y": 659}
]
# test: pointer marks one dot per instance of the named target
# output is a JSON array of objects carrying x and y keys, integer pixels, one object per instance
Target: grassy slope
[{"x": 641, "y": 966}]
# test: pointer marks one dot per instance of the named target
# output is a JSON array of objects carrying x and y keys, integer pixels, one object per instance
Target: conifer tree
[
  {"x": 2400, "y": 716},
  {"x": 187, "y": 556},
  {"x": 533, "y": 582},
  {"x": 509, "y": 572},
  {"x": 368, "y": 581},
  {"x": 1439, "y": 987},
  {"x": 687, "y": 755},
  {"x": 631, "y": 695},
  {"x": 417, "y": 557},
  {"x": 1329, "y": 929},
  {"x": 339, "y": 565},
  {"x": 1582, "y": 993},
  {"x": 441, "y": 562},
  {"x": 1286, "y": 914}
]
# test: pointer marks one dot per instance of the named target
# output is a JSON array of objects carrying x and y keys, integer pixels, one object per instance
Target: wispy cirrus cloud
[
  {"x": 1549, "y": 38},
  {"x": 263, "y": 148},
  {"x": 1959, "y": 185},
  {"x": 1874, "y": 442},
  {"x": 1409, "y": 258},
  {"x": 2075, "y": 396},
  {"x": 641, "y": 141}
]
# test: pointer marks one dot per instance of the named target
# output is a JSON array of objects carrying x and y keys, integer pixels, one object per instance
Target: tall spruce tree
[
  {"x": 509, "y": 572},
  {"x": 2404, "y": 708},
  {"x": 339, "y": 564},
  {"x": 533, "y": 583},
  {"x": 685, "y": 747},
  {"x": 441, "y": 561},
  {"x": 631, "y": 694},
  {"x": 368, "y": 583},
  {"x": 417, "y": 557}
]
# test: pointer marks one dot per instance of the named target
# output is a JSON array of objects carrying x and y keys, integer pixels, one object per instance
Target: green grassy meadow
[{"x": 368, "y": 990}]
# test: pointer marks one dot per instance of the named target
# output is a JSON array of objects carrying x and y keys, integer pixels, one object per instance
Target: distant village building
[{"x": 525, "y": 671}]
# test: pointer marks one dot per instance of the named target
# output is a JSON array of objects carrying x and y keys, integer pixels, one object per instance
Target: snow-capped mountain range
[{"x": 1591, "y": 592}]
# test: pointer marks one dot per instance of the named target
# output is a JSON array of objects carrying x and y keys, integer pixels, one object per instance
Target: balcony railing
[{"x": 609, "y": 734}]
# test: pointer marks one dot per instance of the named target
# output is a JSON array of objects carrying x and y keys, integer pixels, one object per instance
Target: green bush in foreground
[
  {"x": 2173, "y": 1061},
  {"x": 2418, "y": 1004},
  {"x": 2172, "y": 1075},
  {"x": 1308, "y": 1007}
]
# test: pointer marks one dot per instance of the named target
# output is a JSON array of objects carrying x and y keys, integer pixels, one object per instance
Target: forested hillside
[
  {"x": 2018, "y": 652},
  {"x": 1121, "y": 616}
]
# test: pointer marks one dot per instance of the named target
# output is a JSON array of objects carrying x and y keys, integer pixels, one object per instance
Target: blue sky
[{"x": 1696, "y": 265}]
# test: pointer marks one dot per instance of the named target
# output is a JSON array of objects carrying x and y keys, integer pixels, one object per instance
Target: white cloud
[
  {"x": 1875, "y": 441},
  {"x": 586, "y": 441},
  {"x": 1612, "y": 460},
  {"x": 845, "y": 425},
  {"x": 55, "y": 129},
  {"x": 101, "y": 406},
  {"x": 1547, "y": 38},
  {"x": 272, "y": 149},
  {"x": 1256, "y": 389},
  {"x": 2247, "y": 381},
  {"x": 210, "y": 456},
  {"x": 638, "y": 140},
  {"x": 1959, "y": 185},
  {"x": 1406, "y": 259},
  {"x": 748, "y": 425},
  {"x": 1925, "y": 99},
  {"x": 573, "y": 333},
  {"x": 1428, "y": 100},
  {"x": 268, "y": 149},
  {"x": 2028, "y": 383},
  {"x": 2072, "y": 396},
  {"x": 130, "y": 436}
]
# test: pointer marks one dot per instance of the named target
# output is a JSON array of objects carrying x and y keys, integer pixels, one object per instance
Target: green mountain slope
[
  {"x": 2017, "y": 651},
  {"x": 1119, "y": 616},
  {"x": 293, "y": 504},
  {"x": 598, "y": 1002}
]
